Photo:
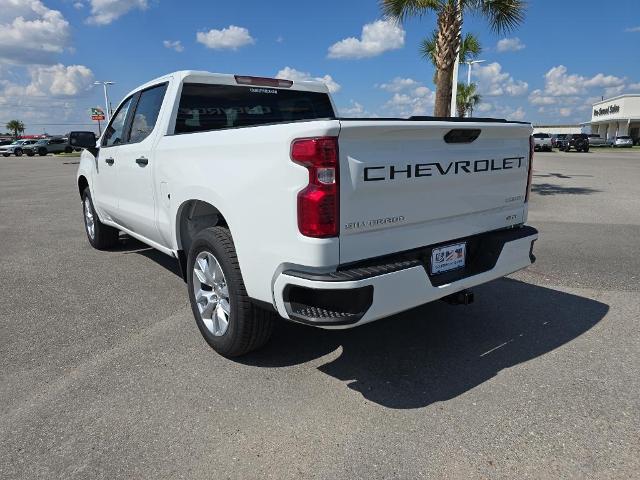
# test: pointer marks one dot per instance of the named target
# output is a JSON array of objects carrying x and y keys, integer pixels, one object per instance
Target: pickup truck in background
[
  {"x": 542, "y": 142},
  {"x": 275, "y": 207}
]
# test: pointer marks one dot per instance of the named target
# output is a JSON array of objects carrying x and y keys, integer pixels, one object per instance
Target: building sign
[
  {"x": 97, "y": 114},
  {"x": 610, "y": 110}
]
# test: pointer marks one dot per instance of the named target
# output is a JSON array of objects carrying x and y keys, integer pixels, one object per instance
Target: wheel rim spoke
[{"x": 211, "y": 293}]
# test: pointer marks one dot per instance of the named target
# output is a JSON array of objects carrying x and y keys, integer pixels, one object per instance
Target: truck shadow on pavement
[
  {"x": 546, "y": 189},
  {"x": 437, "y": 352}
]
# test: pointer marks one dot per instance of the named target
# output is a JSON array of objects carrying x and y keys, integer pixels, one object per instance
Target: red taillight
[
  {"x": 263, "y": 81},
  {"x": 319, "y": 201},
  {"x": 531, "y": 150}
]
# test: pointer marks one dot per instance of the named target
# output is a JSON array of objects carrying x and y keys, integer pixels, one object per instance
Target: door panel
[
  {"x": 136, "y": 190},
  {"x": 105, "y": 181}
]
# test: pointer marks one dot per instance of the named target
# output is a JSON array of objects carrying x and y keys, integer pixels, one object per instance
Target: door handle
[
  {"x": 109, "y": 160},
  {"x": 142, "y": 161}
]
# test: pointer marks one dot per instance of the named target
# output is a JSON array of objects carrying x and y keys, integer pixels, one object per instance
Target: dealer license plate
[{"x": 448, "y": 257}]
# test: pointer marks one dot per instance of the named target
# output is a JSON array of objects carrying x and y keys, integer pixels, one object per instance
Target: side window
[
  {"x": 146, "y": 113},
  {"x": 114, "y": 135}
]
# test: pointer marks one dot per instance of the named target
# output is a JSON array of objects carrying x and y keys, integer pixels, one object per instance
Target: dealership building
[{"x": 617, "y": 116}]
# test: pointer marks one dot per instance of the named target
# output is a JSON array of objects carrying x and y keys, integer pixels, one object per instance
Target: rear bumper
[{"x": 367, "y": 291}]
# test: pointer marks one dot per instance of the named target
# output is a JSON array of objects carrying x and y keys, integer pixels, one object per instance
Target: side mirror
[{"x": 82, "y": 139}]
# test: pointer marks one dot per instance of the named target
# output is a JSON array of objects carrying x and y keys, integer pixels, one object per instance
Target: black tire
[
  {"x": 42, "y": 152},
  {"x": 17, "y": 152},
  {"x": 104, "y": 236},
  {"x": 249, "y": 327},
  {"x": 580, "y": 144},
  {"x": 5, "y": 154},
  {"x": 585, "y": 149},
  {"x": 68, "y": 150},
  {"x": 30, "y": 153}
]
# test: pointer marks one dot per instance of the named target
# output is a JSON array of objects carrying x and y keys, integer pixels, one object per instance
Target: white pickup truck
[{"x": 274, "y": 205}]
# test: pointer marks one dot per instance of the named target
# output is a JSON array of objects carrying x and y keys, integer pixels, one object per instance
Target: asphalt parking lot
[{"x": 104, "y": 374}]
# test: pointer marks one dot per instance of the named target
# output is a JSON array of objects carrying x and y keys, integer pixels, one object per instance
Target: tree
[
  {"x": 470, "y": 48},
  {"x": 16, "y": 126},
  {"x": 502, "y": 16},
  {"x": 466, "y": 99}
]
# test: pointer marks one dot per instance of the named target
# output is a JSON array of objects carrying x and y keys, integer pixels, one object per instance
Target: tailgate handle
[{"x": 462, "y": 135}]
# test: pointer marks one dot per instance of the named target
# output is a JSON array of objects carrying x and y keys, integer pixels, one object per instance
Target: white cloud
[
  {"x": 377, "y": 38},
  {"x": 55, "y": 80},
  {"x": 230, "y": 38},
  {"x": 289, "y": 73},
  {"x": 565, "y": 112},
  {"x": 173, "y": 45},
  {"x": 634, "y": 86},
  {"x": 31, "y": 33},
  {"x": 103, "y": 12},
  {"x": 559, "y": 83},
  {"x": 632, "y": 29},
  {"x": 355, "y": 109},
  {"x": 418, "y": 101},
  {"x": 398, "y": 84},
  {"x": 493, "y": 82},
  {"x": 78, "y": 5},
  {"x": 510, "y": 45}
]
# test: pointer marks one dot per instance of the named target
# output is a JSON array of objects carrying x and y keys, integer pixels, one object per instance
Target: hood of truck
[{"x": 403, "y": 186}]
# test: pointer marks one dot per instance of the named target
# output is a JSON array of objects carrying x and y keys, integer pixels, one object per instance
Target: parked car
[
  {"x": 623, "y": 141},
  {"x": 596, "y": 140},
  {"x": 5, "y": 142},
  {"x": 16, "y": 148},
  {"x": 49, "y": 145},
  {"x": 542, "y": 142},
  {"x": 579, "y": 141},
  {"x": 557, "y": 139},
  {"x": 273, "y": 204}
]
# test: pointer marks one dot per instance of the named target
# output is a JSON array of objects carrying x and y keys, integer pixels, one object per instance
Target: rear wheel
[
  {"x": 100, "y": 236},
  {"x": 42, "y": 152},
  {"x": 68, "y": 150},
  {"x": 227, "y": 319}
]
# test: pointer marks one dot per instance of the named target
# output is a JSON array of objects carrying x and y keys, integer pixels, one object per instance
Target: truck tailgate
[{"x": 402, "y": 186}]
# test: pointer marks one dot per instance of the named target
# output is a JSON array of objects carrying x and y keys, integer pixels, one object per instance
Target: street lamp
[
  {"x": 106, "y": 97},
  {"x": 469, "y": 63}
]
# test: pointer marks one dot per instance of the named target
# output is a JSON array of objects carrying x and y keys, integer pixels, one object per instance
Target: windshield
[
  {"x": 42, "y": 142},
  {"x": 625, "y": 137},
  {"x": 541, "y": 135}
]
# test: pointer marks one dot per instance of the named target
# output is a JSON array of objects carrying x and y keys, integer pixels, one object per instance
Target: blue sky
[{"x": 549, "y": 70}]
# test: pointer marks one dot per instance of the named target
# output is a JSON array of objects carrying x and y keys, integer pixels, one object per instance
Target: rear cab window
[
  {"x": 206, "y": 107},
  {"x": 541, "y": 135}
]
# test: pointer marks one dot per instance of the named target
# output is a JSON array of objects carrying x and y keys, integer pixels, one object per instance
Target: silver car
[
  {"x": 623, "y": 141},
  {"x": 596, "y": 140},
  {"x": 17, "y": 147}
]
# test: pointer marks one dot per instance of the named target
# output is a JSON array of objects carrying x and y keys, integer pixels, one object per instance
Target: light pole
[
  {"x": 469, "y": 63},
  {"x": 106, "y": 97}
]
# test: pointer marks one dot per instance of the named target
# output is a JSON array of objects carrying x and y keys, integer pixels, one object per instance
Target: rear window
[
  {"x": 541, "y": 135},
  {"x": 206, "y": 107}
]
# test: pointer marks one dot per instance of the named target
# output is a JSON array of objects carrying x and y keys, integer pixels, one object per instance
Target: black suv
[{"x": 579, "y": 141}]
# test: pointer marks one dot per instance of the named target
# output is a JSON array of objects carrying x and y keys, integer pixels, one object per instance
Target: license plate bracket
[{"x": 448, "y": 258}]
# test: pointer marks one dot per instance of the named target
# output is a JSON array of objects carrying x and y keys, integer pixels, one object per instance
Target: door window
[
  {"x": 115, "y": 133},
  {"x": 146, "y": 113}
]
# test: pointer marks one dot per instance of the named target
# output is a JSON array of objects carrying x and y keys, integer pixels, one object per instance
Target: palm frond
[
  {"x": 503, "y": 15},
  {"x": 402, "y": 9}
]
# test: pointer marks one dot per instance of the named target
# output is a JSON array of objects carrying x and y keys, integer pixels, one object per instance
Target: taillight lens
[
  {"x": 531, "y": 150},
  {"x": 319, "y": 201}
]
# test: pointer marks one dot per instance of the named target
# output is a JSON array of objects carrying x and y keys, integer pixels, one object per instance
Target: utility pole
[
  {"x": 106, "y": 97},
  {"x": 454, "y": 81},
  {"x": 469, "y": 63}
]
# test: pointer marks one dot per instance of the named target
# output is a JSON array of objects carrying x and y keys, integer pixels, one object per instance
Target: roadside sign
[{"x": 97, "y": 114}]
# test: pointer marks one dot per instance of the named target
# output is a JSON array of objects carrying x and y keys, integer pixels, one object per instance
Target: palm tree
[
  {"x": 470, "y": 48},
  {"x": 502, "y": 16},
  {"x": 16, "y": 126},
  {"x": 467, "y": 98}
]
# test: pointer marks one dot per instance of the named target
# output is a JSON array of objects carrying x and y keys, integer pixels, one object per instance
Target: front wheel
[
  {"x": 17, "y": 152},
  {"x": 227, "y": 319},
  {"x": 100, "y": 236}
]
